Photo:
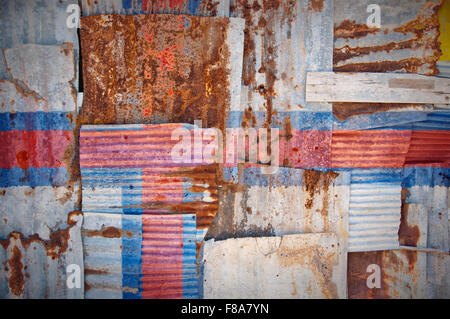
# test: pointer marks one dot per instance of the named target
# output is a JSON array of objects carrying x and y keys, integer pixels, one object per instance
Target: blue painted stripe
[
  {"x": 33, "y": 121},
  {"x": 132, "y": 257},
  {"x": 425, "y": 176},
  {"x": 321, "y": 121},
  {"x": 190, "y": 283},
  {"x": 380, "y": 120},
  {"x": 34, "y": 176}
]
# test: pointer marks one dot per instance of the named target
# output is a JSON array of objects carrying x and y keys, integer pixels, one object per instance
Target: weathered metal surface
[
  {"x": 36, "y": 22},
  {"x": 160, "y": 68},
  {"x": 374, "y": 210},
  {"x": 193, "y": 7},
  {"x": 430, "y": 140},
  {"x": 292, "y": 266},
  {"x": 130, "y": 169},
  {"x": 140, "y": 256},
  {"x": 39, "y": 228},
  {"x": 34, "y": 267},
  {"x": 379, "y": 148},
  {"x": 406, "y": 41}
]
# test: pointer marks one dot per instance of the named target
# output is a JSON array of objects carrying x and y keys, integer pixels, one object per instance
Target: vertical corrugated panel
[
  {"x": 371, "y": 148},
  {"x": 430, "y": 140},
  {"x": 193, "y": 7},
  {"x": 169, "y": 256},
  {"x": 36, "y": 22},
  {"x": 112, "y": 256},
  {"x": 374, "y": 210},
  {"x": 39, "y": 228},
  {"x": 134, "y": 256}
]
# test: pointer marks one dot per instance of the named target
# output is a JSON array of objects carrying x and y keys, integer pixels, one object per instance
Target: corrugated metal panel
[
  {"x": 39, "y": 229},
  {"x": 374, "y": 210},
  {"x": 36, "y": 22},
  {"x": 292, "y": 266},
  {"x": 193, "y": 7},
  {"x": 130, "y": 169},
  {"x": 371, "y": 148},
  {"x": 430, "y": 140},
  {"x": 444, "y": 68},
  {"x": 140, "y": 256},
  {"x": 406, "y": 41},
  {"x": 160, "y": 68}
]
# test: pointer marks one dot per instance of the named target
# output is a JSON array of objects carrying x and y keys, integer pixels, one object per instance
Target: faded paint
[{"x": 292, "y": 266}]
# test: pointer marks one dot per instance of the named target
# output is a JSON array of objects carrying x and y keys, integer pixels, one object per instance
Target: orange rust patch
[
  {"x": 89, "y": 271},
  {"x": 22, "y": 159},
  {"x": 16, "y": 279},
  {"x": 408, "y": 235},
  {"x": 107, "y": 232},
  {"x": 316, "y": 181},
  {"x": 352, "y": 30},
  {"x": 343, "y": 111},
  {"x": 316, "y": 5}
]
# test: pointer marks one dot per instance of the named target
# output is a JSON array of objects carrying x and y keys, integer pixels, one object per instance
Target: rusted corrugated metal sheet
[
  {"x": 36, "y": 22},
  {"x": 39, "y": 228},
  {"x": 140, "y": 256},
  {"x": 430, "y": 140},
  {"x": 407, "y": 39},
  {"x": 381, "y": 148},
  {"x": 193, "y": 7},
  {"x": 160, "y": 68},
  {"x": 290, "y": 201},
  {"x": 130, "y": 169},
  {"x": 374, "y": 210},
  {"x": 292, "y": 266}
]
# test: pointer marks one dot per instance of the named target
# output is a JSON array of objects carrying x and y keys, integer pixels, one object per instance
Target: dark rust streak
[
  {"x": 16, "y": 278},
  {"x": 408, "y": 235}
]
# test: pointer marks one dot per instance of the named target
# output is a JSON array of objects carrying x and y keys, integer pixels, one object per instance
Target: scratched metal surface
[
  {"x": 39, "y": 226},
  {"x": 36, "y": 22},
  {"x": 160, "y": 68}
]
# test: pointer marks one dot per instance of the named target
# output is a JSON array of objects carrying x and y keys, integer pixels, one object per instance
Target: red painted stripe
[{"x": 33, "y": 148}]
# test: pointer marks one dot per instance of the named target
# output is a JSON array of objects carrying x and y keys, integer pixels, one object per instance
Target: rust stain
[
  {"x": 16, "y": 278},
  {"x": 316, "y": 181},
  {"x": 3, "y": 192},
  {"x": 155, "y": 69},
  {"x": 89, "y": 271},
  {"x": 248, "y": 118},
  {"x": 107, "y": 232},
  {"x": 343, "y": 111},
  {"x": 316, "y": 5},
  {"x": 352, "y": 30},
  {"x": 408, "y": 235},
  {"x": 22, "y": 159}
]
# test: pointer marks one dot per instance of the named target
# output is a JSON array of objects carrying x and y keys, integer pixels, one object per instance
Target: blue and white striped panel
[{"x": 374, "y": 209}]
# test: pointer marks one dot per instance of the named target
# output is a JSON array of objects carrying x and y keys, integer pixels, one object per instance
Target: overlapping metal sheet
[
  {"x": 37, "y": 22},
  {"x": 430, "y": 140},
  {"x": 291, "y": 266},
  {"x": 131, "y": 169},
  {"x": 140, "y": 256},
  {"x": 39, "y": 228},
  {"x": 374, "y": 210},
  {"x": 160, "y": 68}
]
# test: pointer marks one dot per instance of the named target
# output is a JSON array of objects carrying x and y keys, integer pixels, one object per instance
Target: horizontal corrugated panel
[
  {"x": 430, "y": 140},
  {"x": 371, "y": 148},
  {"x": 134, "y": 256},
  {"x": 374, "y": 210},
  {"x": 190, "y": 69},
  {"x": 444, "y": 68},
  {"x": 130, "y": 169}
]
